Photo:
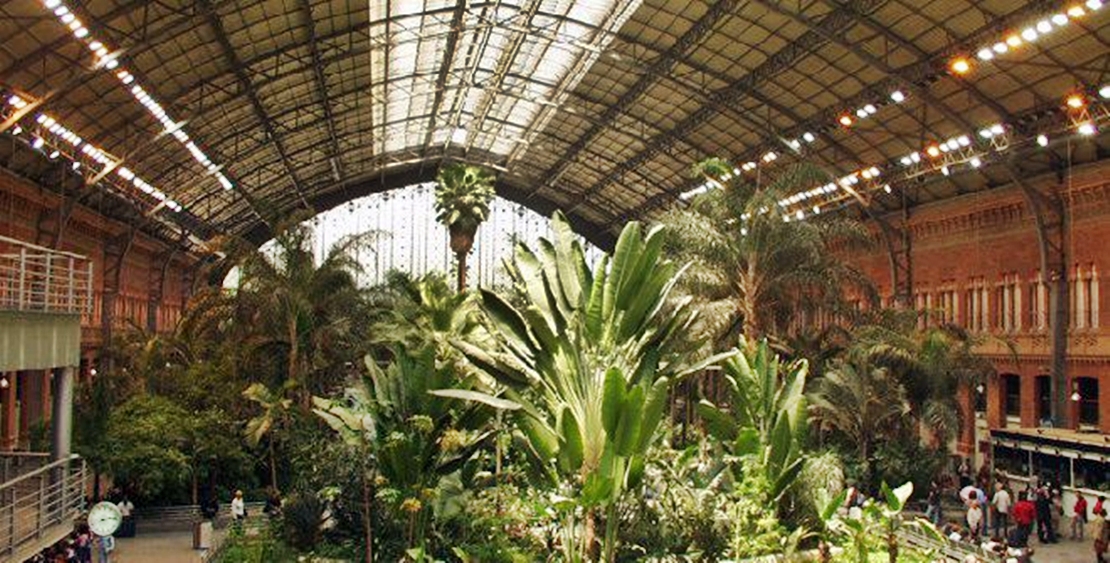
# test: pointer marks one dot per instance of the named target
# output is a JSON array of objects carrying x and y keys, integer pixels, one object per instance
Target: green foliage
[
  {"x": 754, "y": 269},
  {"x": 462, "y": 196},
  {"x": 875, "y": 526},
  {"x": 765, "y": 418},
  {"x": 590, "y": 358},
  {"x": 303, "y": 521}
]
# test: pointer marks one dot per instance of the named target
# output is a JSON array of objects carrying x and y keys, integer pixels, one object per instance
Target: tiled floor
[{"x": 157, "y": 547}]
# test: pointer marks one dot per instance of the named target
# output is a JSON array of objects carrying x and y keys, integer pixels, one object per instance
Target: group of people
[
  {"x": 1012, "y": 520},
  {"x": 78, "y": 547}
]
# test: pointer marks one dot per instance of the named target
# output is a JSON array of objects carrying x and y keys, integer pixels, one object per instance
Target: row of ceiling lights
[
  {"x": 49, "y": 127},
  {"x": 959, "y": 65},
  {"x": 109, "y": 60}
]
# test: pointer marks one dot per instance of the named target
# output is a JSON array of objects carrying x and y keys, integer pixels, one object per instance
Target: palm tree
[
  {"x": 930, "y": 364},
  {"x": 463, "y": 193},
  {"x": 862, "y": 402},
  {"x": 307, "y": 310},
  {"x": 755, "y": 268}
]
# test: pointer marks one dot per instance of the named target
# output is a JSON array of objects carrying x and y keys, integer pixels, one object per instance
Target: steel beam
[
  {"x": 240, "y": 72},
  {"x": 322, "y": 88}
]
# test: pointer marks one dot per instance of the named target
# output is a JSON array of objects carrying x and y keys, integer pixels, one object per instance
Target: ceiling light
[
  {"x": 870, "y": 108},
  {"x": 845, "y": 120},
  {"x": 51, "y": 4},
  {"x": 68, "y": 18},
  {"x": 54, "y": 155},
  {"x": 1094, "y": 4},
  {"x": 963, "y": 141},
  {"x": 1104, "y": 91},
  {"x": 17, "y": 130},
  {"x": 1029, "y": 34},
  {"x": 997, "y": 129},
  {"x": 808, "y": 137},
  {"x": 861, "y": 113},
  {"x": 1000, "y": 48},
  {"x": 80, "y": 33},
  {"x": 1087, "y": 129},
  {"x": 38, "y": 143},
  {"x": 1060, "y": 20},
  {"x": 933, "y": 151},
  {"x": 906, "y": 161},
  {"x": 986, "y": 133},
  {"x": 1076, "y": 101},
  {"x": 1076, "y": 12},
  {"x": 1013, "y": 40},
  {"x": 1044, "y": 26},
  {"x": 985, "y": 54},
  {"x": 886, "y": 188},
  {"x": 916, "y": 157},
  {"x": 897, "y": 96},
  {"x": 76, "y": 165},
  {"x": 800, "y": 215},
  {"x": 816, "y": 209},
  {"x": 944, "y": 170},
  {"x": 770, "y": 156},
  {"x": 1042, "y": 140},
  {"x": 960, "y": 65},
  {"x": 976, "y": 163},
  {"x": 61, "y": 11}
]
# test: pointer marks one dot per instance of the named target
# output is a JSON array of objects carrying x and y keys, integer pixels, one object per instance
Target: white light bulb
[
  {"x": 964, "y": 141},
  {"x": 976, "y": 163},
  {"x": 985, "y": 54},
  {"x": 861, "y": 113},
  {"x": 997, "y": 129},
  {"x": 17, "y": 130},
  {"x": 944, "y": 170},
  {"x": 870, "y": 108},
  {"x": 1000, "y": 48},
  {"x": 1104, "y": 91},
  {"x": 1087, "y": 129},
  {"x": 1094, "y": 4},
  {"x": 809, "y": 138},
  {"x": 906, "y": 161},
  {"x": 68, "y": 18},
  {"x": 897, "y": 96},
  {"x": 1060, "y": 20},
  {"x": 81, "y": 33},
  {"x": 986, "y": 133},
  {"x": 38, "y": 143},
  {"x": 1029, "y": 34},
  {"x": 1044, "y": 26},
  {"x": 51, "y": 4},
  {"x": 886, "y": 188}
]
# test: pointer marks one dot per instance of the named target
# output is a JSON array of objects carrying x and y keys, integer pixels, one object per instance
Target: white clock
[{"x": 105, "y": 518}]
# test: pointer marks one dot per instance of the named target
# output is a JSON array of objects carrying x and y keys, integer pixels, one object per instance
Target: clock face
[{"x": 104, "y": 518}]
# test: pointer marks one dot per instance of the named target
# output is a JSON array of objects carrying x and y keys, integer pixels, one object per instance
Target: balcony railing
[
  {"x": 39, "y": 508},
  {"x": 38, "y": 279}
]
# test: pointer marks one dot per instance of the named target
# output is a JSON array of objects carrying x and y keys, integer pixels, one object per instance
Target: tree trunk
[
  {"x": 273, "y": 467},
  {"x": 294, "y": 360},
  {"x": 461, "y": 279},
  {"x": 367, "y": 516}
]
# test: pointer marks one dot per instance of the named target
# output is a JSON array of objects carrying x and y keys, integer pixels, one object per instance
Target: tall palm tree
[
  {"x": 274, "y": 406},
  {"x": 862, "y": 402},
  {"x": 307, "y": 310},
  {"x": 463, "y": 193},
  {"x": 754, "y": 267}
]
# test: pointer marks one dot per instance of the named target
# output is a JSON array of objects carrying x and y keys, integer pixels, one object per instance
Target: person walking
[
  {"x": 974, "y": 519},
  {"x": 1078, "y": 518},
  {"x": 1101, "y": 535},
  {"x": 238, "y": 510},
  {"x": 1045, "y": 532},
  {"x": 1024, "y": 513},
  {"x": 1001, "y": 506},
  {"x": 933, "y": 511}
]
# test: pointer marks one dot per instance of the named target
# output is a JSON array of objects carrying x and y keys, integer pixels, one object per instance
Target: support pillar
[
  {"x": 61, "y": 444},
  {"x": 9, "y": 412},
  {"x": 35, "y": 406}
]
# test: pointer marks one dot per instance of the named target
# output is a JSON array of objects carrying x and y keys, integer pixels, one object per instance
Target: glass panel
[
  {"x": 1012, "y": 394},
  {"x": 1088, "y": 400},
  {"x": 1090, "y": 474},
  {"x": 1011, "y": 460}
]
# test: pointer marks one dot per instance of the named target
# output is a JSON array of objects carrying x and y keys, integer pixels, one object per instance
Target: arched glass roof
[{"x": 216, "y": 117}]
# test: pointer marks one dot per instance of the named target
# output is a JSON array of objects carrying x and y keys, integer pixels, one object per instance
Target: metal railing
[
  {"x": 39, "y": 279},
  {"x": 38, "y": 508},
  {"x": 14, "y": 464}
]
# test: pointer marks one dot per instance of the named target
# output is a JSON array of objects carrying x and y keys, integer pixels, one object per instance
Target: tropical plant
[
  {"x": 411, "y": 438},
  {"x": 302, "y": 310},
  {"x": 274, "y": 407},
  {"x": 755, "y": 270},
  {"x": 931, "y": 364},
  {"x": 463, "y": 193},
  {"x": 590, "y": 359},
  {"x": 765, "y": 420},
  {"x": 860, "y": 402},
  {"x": 876, "y": 526}
]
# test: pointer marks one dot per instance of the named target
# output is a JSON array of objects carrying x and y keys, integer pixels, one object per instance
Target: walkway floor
[
  {"x": 1067, "y": 551},
  {"x": 157, "y": 547}
]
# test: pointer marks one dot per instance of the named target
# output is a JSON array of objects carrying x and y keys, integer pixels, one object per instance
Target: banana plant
[
  {"x": 765, "y": 420},
  {"x": 876, "y": 525},
  {"x": 590, "y": 359}
]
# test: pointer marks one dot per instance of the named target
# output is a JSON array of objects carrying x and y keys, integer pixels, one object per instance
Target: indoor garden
[{"x": 720, "y": 386}]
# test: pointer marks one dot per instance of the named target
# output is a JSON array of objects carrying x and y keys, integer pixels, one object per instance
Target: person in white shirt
[
  {"x": 1001, "y": 503},
  {"x": 238, "y": 509},
  {"x": 974, "y": 518}
]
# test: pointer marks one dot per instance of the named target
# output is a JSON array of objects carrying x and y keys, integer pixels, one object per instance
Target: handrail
[
  {"x": 64, "y": 462},
  {"x": 18, "y": 242}
]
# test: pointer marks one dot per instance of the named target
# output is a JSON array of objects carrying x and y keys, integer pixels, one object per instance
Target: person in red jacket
[{"x": 1023, "y": 513}]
